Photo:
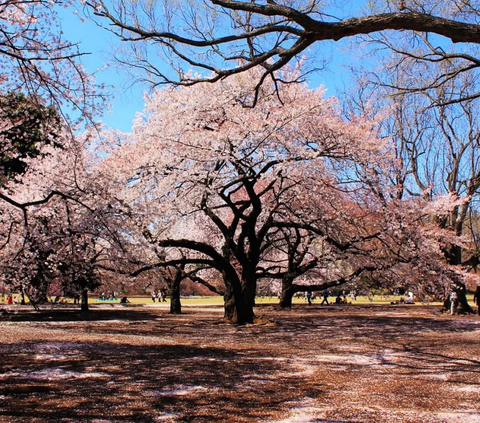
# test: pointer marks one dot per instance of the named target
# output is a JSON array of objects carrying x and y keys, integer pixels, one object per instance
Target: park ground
[{"x": 340, "y": 363}]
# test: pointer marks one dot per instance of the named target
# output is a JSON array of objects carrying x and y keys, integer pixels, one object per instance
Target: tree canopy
[{"x": 274, "y": 191}]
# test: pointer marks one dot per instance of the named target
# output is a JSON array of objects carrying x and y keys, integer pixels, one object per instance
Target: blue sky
[
  {"x": 99, "y": 43},
  {"x": 128, "y": 99}
]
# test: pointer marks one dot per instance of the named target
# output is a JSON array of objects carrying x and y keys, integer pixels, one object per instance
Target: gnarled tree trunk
[
  {"x": 236, "y": 309},
  {"x": 286, "y": 296}
]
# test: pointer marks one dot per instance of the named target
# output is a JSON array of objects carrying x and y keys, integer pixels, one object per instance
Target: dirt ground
[{"x": 311, "y": 364}]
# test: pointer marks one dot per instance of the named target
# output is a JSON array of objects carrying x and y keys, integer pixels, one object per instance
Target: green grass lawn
[{"x": 218, "y": 300}]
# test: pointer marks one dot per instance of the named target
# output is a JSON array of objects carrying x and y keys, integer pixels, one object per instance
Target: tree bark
[
  {"x": 454, "y": 257},
  {"x": 84, "y": 307},
  {"x": 249, "y": 290},
  {"x": 22, "y": 295},
  {"x": 175, "y": 303},
  {"x": 236, "y": 310},
  {"x": 286, "y": 296}
]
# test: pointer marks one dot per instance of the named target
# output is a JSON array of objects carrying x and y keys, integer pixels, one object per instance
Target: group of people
[
  {"x": 309, "y": 296},
  {"x": 8, "y": 298},
  {"x": 161, "y": 295},
  {"x": 58, "y": 300},
  {"x": 454, "y": 304},
  {"x": 111, "y": 296}
]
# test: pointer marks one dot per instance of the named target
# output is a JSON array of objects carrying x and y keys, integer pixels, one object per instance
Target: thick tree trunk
[
  {"x": 175, "y": 303},
  {"x": 463, "y": 306},
  {"x": 230, "y": 307},
  {"x": 84, "y": 307},
  {"x": 286, "y": 296},
  {"x": 286, "y": 299},
  {"x": 236, "y": 310},
  {"x": 249, "y": 293},
  {"x": 454, "y": 257}
]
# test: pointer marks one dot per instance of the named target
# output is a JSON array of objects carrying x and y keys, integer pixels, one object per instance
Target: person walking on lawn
[{"x": 325, "y": 297}]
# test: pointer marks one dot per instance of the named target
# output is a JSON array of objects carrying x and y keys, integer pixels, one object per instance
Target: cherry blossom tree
[
  {"x": 58, "y": 227},
  {"x": 173, "y": 268},
  {"x": 37, "y": 61},
  {"x": 52, "y": 254},
  {"x": 227, "y": 184},
  {"x": 356, "y": 229},
  {"x": 43, "y": 88}
]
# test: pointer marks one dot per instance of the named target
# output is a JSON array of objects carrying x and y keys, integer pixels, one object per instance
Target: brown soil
[{"x": 311, "y": 364}]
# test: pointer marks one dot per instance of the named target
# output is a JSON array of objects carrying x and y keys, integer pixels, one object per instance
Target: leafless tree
[
  {"x": 37, "y": 61},
  {"x": 206, "y": 40},
  {"x": 436, "y": 139}
]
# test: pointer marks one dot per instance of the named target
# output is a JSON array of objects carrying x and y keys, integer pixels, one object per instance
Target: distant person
[
  {"x": 325, "y": 297},
  {"x": 164, "y": 295},
  {"x": 9, "y": 299},
  {"x": 154, "y": 296},
  {"x": 453, "y": 302},
  {"x": 476, "y": 298},
  {"x": 309, "y": 297},
  {"x": 124, "y": 300}
]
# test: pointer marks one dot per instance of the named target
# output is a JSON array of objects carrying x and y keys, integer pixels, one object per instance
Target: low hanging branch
[
  {"x": 336, "y": 282},
  {"x": 25, "y": 206}
]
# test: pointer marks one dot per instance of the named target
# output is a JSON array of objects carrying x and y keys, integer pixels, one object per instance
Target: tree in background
[
  {"x": 436, "y": 142},
  {"x": 59, "y": 231},
  {"x": 53, "y": 259},
  {"x": 44, "y": 90}
]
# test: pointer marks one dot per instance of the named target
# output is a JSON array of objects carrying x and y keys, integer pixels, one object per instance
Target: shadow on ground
[{"x": 351, "y": 364}]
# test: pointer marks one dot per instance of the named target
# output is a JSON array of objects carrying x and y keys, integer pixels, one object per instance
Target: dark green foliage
[{"x": 25, "y": 127}]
